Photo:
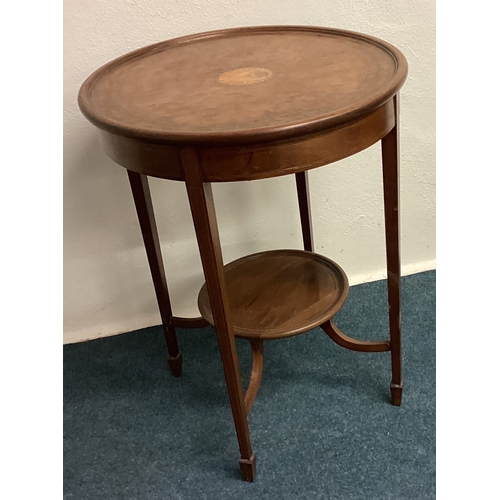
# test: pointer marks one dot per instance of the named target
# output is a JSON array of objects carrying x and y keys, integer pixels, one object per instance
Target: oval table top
[{"x": 243, "y": 85}]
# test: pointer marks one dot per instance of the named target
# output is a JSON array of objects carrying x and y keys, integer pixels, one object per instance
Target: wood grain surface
[
  {"x": 280, "y": 293},
  {"x": 251, "y": 103},
  {"x": 296, "y": 80}
]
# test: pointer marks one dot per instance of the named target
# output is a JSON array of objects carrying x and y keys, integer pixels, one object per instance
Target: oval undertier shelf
[{"x": 280, "y": 293}]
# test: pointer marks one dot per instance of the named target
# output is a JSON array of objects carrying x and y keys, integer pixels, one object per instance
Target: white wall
[{"x": 107, "y": 285}]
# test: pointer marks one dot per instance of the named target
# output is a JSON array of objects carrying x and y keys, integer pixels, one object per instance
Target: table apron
[{"x": 238, "y": 163}]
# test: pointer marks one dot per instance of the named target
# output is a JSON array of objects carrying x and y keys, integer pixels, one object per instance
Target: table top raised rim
[{"x": 290, "y": 131}]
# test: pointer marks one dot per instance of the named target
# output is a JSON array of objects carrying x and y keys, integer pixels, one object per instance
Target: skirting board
[{"x": 144, "y": 322}]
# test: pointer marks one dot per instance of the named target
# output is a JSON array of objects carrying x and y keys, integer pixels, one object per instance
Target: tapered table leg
[
  {"x": 390, "y": 162},
  {"x": 205, "y": 224},
  {"x": 144, "y": 207},
  {"x": 305, "y": 210}
]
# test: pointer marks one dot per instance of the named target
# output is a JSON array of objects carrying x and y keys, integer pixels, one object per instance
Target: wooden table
[{"x": 244, "y": 104}]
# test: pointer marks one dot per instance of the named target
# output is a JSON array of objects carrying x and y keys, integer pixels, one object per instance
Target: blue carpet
[{"x": 322, "y": 425}]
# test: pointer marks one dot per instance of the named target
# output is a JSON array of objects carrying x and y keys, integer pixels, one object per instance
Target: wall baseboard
[
  {"x": 153, "y": 320},
  {"x": 406, "y": 270},
  {"x": 111, "y": 329}
]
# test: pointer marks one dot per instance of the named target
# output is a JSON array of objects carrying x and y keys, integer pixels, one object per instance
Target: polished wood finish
[
  {"x": 248, "y": 468},
  {"x": 172, "y": 92},
  {"x": 334, "y": 332},
  {"x": 279, "y": 293},
  {"x": 302, "y": 182},
  {"x": 244, "y": 104},
  {"x": 258, "y": 161},
  {"x": 148, "y": 158},
  {"x": 205, "y": 225},
  {"x": 256, "y": 375},
  {"x": 390, "y": 167},
  {"x": 238, "y": 163},
  {"x": 179, "y": 322},
  {"x": 144, "y": 207}
]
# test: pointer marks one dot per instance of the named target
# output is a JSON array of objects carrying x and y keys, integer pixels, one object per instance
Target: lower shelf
[{"x": 280, "y": 293}]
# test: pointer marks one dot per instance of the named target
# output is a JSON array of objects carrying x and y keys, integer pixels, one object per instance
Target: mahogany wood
[
  {"x": 255, "y": 161},
  {"x": 189, "y": 322},
  {"x": 244, "y": 104},
  {"x": 305, "y": 210},
  {"x": 144, "y": 207},
  {"x": 148, "y": 158},
  {"x": 334, "y": 332},
  {"x": 177, "y": 91},
  {"x": 280, "y": 293},
  {"x": 238, "y": 163},
  {"x": 248, "y": 467},
  {"x": 390, "y": 168},
  {"x": 205, "y": 225},
  {"x": 256, "y": 375}
]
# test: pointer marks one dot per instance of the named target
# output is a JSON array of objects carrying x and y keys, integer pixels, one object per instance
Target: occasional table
[{"x": 244, "y": 104}]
